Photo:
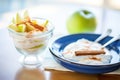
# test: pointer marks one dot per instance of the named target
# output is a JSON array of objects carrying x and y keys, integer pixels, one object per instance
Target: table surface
[{"x": 10, "y": 68}]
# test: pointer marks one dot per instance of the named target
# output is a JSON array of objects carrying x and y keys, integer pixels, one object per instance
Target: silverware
[
  {"x": 104, "y": 35},
  {"x": 112, "y": 40}
]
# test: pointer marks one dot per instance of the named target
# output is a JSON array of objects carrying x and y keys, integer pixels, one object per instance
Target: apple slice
[
  {"x": 26, "y": 16},
  {"x": 38, "y": 46},
  {"x": 34, "y": 21},
  {"x": 13, "y": 21},
  {"x": 21, "y": 28},
  {"x": 45, "y": 23},
  {"x": 18, "y": 18},
  {"x": 13, "y": 27},
  {"x": 29, "y": 27}
]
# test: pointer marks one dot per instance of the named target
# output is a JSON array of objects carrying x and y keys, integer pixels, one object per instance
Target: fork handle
[
  {"x": 103, "y": 35},
  {"x": 111, "y": 41}
]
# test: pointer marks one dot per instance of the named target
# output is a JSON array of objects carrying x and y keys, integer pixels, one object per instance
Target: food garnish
[{"x": 25, "y": 24}]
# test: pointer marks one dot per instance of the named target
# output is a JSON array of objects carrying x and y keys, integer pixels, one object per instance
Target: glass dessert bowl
[{"x": 31, "y": 37}]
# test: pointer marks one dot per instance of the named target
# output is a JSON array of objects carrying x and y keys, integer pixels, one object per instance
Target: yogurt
[{"x": 84, "y": 44}]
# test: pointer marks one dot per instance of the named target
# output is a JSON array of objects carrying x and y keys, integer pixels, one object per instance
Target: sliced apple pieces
[
  {"x": 21, "y": 28},
  {"x": 18, "y": 19},
  {"x": 25, "y": 24},
  {"x": 13, "y": 27},
  {"x": 38, "y": 46},
  {"x": 45, "y": 23},
  {"x": 29, "y": 27},
  {"x": 13, "y": 21},
  {"x": 26, "y": 16}
]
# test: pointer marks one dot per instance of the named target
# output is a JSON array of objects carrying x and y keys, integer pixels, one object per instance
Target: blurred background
[
  {"x": 107, "y": 12},
  {"x": 12, "y": 5}
]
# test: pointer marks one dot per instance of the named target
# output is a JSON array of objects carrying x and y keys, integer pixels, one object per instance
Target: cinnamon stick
[{"x": 89, "y": 52}]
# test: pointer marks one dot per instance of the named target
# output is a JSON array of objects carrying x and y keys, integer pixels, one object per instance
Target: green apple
[{"x": 81, "y": 22}]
